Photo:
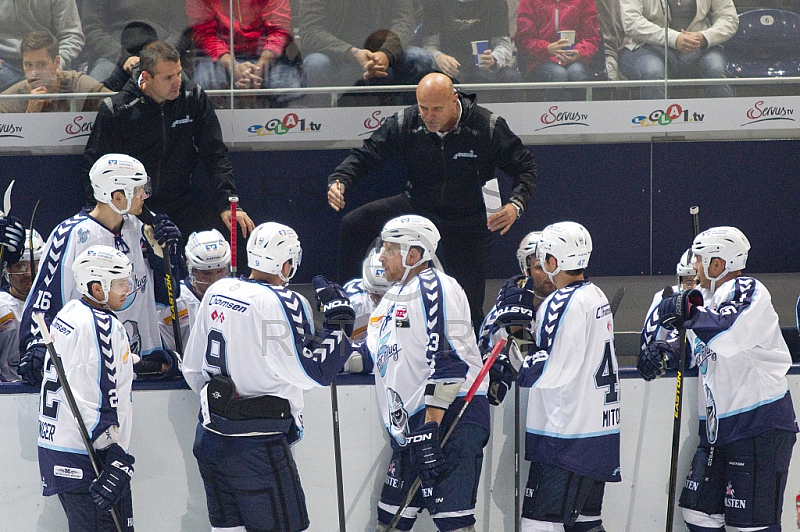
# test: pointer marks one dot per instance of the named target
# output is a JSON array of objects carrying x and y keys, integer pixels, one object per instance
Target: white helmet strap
[{"x": 127, "y": 206}]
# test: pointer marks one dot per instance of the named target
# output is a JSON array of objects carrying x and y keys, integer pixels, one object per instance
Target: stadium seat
[{"x": 766, "y": 45}]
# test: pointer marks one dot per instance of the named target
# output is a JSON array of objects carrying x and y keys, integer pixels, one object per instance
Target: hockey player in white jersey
[
  {"x": 208, "y": 259},
  {"x": 120, "y": 186},
  {"x": 572, "y": 432},
  {"x": 519, "y": 298},
  {"x": 365, "y": 293},
  {"x": 252, "y": 352},
  {"x": 747, "y": 421},
  {"x": 421, "y": 340},
  {"x": 686, "y": 278},
  {"x": 98, "y": 365},
  {"x": 17, "y": 274}
]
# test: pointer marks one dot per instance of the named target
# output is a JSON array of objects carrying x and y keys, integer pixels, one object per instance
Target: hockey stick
[
  {"x": 337, "y": 455},
  {"x": 147, "y": 218},
  {"x": 676, "y": 424},
  {"x": 30, "y": 239},
  {"x": 470, "y": 394},
  {"x": 73, "y": 406},
  {"x": 617, "y": 300},
  {"x": 5, "y": 212},
  {"x": 517, "y": 510},
  {"x": 234, "y": 203}
]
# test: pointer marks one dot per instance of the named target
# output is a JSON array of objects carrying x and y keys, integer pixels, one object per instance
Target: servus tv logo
[
  {"x": 671, "y": 115},
  {"x": 761, "y": 112},
  {"x": 558, "y": 118},
  {"x": 291, "y": 123},
  {"x": 77, "y": 128},
  {"x": 373, "y": 122},
  {"x": 10, "y": 130}
]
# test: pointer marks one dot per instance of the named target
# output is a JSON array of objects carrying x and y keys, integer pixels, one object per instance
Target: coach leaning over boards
[{"x": 450, "y": 148}]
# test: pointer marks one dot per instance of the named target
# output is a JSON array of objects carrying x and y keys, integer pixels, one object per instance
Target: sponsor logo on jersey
[
  {"x": 218, "y": 316},
  {"x": 465, "y": 155},
  {"x": 375, "y": 321},
  {"x": 603, "y": 311},
  {"x": 762, "y": 112},
  {"x": 62, "y": 327},
  {"x": 673, "y": 114},
  {"x": 290, "y": 123},
  {"x": 555, "y": 117},
  {"x": 401, "y": 316},
  {"x": 229, "y": 303},
  {"x": 68, "y": 472},
  {"x": 7, "y": 321}
]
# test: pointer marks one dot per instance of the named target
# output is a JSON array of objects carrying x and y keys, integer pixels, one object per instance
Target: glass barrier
[{"x": 339, "y": 53}]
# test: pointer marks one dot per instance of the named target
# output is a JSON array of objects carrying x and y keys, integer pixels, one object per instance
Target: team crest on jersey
[
  {"x": 398, "y": 417},
  {"x": 83, "y": 235},
  {"x": 386, "y": 352}
]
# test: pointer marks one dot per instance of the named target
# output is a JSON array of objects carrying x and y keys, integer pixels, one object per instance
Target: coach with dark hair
[
  {"x": 450, "y": 148},
  {"x": 167, "y": 123}
]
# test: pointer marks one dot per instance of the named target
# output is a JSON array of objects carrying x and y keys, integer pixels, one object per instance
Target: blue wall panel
[{"x": 606, "y": 187}]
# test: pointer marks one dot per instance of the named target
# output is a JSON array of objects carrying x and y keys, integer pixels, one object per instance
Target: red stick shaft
[{"x": 234, "y": 201}]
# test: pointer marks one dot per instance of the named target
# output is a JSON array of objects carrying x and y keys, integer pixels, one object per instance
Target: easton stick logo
[
  {"x": 761, "y": 112},
  {"x": 290, "y": 123},
  {"x": 554, "y": 117},
  {"x": 673, "y": 114}
]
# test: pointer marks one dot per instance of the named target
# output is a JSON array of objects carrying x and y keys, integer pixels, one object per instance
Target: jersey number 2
[
  {"x": 51, "y": 386},
  {"x": 606, "y": 377}
]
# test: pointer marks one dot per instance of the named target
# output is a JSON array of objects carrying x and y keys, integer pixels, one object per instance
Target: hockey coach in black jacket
[{"x": 450, "y": 147}]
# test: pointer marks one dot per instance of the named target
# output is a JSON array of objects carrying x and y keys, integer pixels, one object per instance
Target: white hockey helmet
[
  {"x": 412, "y": 230},
  {"x": 117, "y": 171},
  {"x": 207, "y": 250},
  {"x": 373, "y": 274},
  {"x": 726, "y": 243},
  {"x": 527, "y": 248},
  {"x": 569, "y": 242},
  {"x": 270, "y": 245},
  {"x": 103, "y": 264},
  {"x": 685, "y": 268}
]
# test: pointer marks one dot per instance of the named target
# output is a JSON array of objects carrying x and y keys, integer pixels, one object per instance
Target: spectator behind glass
[
  {"x": 450, "y": 26},
  {"x": 42, "y": 76},
  {"x": 262, "y": 30},
  {"x": 332, "y": 38},
  {"x": 19, "y": 18},
  {"x": 545, "y": 57},
  {"x": 117, "y": 30},
  {"x": 697, "y": 28}
]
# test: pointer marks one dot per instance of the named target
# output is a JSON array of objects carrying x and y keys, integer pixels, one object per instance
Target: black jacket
[
  {"x": 167, "y": 138},
  {"x": 445, "y": 175}
]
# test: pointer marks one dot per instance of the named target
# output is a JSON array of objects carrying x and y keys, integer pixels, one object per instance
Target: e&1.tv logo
[
  {"x": 277, "y": 126},
  {"x": 664, "y": 117}
]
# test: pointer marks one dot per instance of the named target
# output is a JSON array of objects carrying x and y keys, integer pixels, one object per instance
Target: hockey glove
[
  {"x": 655, "y": 359},
  {"x": 158, "y": 364},
  {"x": 12, "y": 237},
  {"x": 334, "y": 303},
  {"x": 677, "y": 309},
  {"x": 427, "y": 459},
  {"x": 515, "y": 303},
  {"x": 501, "y": 377},
  {"x": 31, "y": 366},
  {"x": 115, "y": 479},
  {"x": 166, "y": 232}
]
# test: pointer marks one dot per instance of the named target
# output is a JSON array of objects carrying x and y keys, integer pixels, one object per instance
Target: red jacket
[
  {"x": 258, "y": 25},
  {"x": 536, "y": 28}
]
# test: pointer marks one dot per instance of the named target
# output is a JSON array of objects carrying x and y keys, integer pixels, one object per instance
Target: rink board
[{"x": 168, "y": 492}]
